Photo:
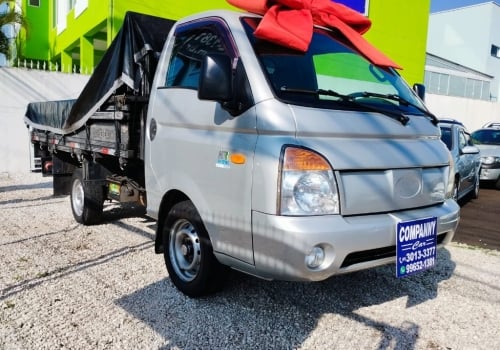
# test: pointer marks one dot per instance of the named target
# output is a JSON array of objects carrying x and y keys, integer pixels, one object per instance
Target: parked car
[
  {"x": 495, "y": 125},
  {"x": 488, "y": 141},
  {"x": 465, "y": 155}
]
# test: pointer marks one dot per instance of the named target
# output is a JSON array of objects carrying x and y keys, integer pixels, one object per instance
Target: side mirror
[
  {"x": 216, "y": 78},
  {"x": 470, "y": 150},
  {"x": 420, "y": 90}
]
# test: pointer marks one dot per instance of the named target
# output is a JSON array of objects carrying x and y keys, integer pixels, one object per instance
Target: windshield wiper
[
  {"x": 399, "y": 99},
  {"x": 350, "y": 99},
  {"x": 318, "y": 92}
]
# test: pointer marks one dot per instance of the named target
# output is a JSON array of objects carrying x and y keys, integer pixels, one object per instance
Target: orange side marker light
[{"x": 238, "y": 158}]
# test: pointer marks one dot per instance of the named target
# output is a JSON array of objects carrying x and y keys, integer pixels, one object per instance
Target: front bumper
[
  {"x": 489, "y": 174},
  {"x": 350, "y": 243}
]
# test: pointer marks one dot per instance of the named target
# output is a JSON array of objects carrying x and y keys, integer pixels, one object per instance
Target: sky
[{"x": 441, "y": 5}]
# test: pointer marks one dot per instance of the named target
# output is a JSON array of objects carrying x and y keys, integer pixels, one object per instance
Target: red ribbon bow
[{"x": 290, "y": 23}]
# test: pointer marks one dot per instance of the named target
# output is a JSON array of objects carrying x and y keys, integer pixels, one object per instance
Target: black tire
[
  {"x": 455, "y": 190},
  {"x": 475, "y": 191},
  {"x": 497, "y": 184},
  {"x": 188, "y": 253},
  {"x": 86, "y": 200}
]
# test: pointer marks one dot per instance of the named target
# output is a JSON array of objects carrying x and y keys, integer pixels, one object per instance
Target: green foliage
[
  {"x": 4, "y": 43},
  {"x": 12, "y": 16}
]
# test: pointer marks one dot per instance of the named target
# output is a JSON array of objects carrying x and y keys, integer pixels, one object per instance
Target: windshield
[
  {"x": 486, "y": 137},
  {"x": 331, "y": 66}
]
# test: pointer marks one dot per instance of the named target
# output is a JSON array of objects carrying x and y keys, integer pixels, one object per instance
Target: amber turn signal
[
  {"x": 238, "y": 158},
  {"x": 302, "y": 159}
]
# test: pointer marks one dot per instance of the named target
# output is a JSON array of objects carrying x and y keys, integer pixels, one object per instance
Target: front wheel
[
  {"x": 188, "y": 253},
  {"x": 86, "y": 201},
  {"x": 455, "y": 190},
  {"x": 475, "y": 191}
]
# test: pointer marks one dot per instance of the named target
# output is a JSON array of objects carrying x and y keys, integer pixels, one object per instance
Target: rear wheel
[
  {"x": 86, "y": 200},
  {"x": 188, "y": 253}
]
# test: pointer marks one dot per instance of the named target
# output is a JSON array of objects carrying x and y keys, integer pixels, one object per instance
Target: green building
[{"x": 73, "y": 34}]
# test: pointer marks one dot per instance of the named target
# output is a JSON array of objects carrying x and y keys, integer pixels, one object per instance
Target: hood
[
  {"x": 489, "y": 150},
  {"x": 360, "y": 140}
]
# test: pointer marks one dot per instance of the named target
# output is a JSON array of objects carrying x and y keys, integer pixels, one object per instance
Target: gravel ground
[{"x": 63, "y": 285}]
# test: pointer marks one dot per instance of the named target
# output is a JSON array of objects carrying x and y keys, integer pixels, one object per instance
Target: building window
[
  {"x": 450, "y": 85},
  {"x": 34, "y": 3},
  {"x": 437, "y": 83},
  {"x": 80, "y": 6},
  {"x": 457, "y": 86},
  {"x": 61, "y": 9},
  {"x": 495, "y": 51}
]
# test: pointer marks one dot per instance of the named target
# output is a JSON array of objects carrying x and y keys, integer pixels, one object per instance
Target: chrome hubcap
[
  {"x": 77, "y": 197},
  {"x": 185, "y": 250}
]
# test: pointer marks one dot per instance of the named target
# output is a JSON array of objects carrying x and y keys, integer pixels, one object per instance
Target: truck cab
[{"x": 286, "y": 164}]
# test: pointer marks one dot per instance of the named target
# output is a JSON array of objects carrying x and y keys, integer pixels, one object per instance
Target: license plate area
[{"x": 415, "y": 246}]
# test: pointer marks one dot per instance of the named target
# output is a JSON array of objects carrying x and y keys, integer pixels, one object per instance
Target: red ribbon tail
[{"x": 369, "y": 51}]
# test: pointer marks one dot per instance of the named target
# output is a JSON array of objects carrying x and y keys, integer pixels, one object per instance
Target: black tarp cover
[
  {"x": 123, "y": 63},
  {"x": 49, "y": 115}
]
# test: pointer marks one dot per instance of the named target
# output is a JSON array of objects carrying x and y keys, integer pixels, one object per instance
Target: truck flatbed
[{"x": 109, "y": 115}]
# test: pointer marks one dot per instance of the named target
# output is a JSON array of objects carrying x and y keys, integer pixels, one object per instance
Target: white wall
[
  {"x": 465, "y": 36},
  {"x": 18, "y": 87},
  {"x": 493, "y": 62},
  {"x": 473, "y": 113},
  {"x": 462, "y": 35}
]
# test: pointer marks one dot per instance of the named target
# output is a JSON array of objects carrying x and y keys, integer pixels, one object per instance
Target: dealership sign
[
  {"x": 358, "y": 5},
  {"x": 415, "y": 246}
]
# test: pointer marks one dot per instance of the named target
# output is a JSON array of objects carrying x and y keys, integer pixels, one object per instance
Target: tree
[{"x": 10, "y": 16}]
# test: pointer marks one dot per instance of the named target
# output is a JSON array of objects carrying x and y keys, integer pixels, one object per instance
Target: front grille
[
  {"x": 386, "y": 191},
  {"x": 490, "y": 166},
  {"x": 376, "y": 254}
]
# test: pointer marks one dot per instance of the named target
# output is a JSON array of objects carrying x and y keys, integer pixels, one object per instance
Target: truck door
[{"x": 199, "y": 148}]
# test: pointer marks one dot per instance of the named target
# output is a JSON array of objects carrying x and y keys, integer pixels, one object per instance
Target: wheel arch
[{"x": 170, "y": 199}]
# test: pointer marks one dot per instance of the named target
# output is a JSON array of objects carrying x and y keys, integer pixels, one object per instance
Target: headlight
[
  {"x": 308, "y": 185},
  {"x": 490, "y": 160}
]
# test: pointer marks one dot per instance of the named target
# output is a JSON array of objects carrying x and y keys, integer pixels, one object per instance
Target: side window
[
  {"x": 462, "y": 142},
  {"x": 446, "y": 137},
  {"x": 468, "y": 139},
  {"x": 189, "y": 48}
]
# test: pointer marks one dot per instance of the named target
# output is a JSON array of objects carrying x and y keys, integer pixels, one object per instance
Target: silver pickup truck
[{"x": 278, "y": 163}]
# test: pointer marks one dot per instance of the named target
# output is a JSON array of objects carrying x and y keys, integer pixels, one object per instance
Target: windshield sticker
[{"x": 223, "y": 160}]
